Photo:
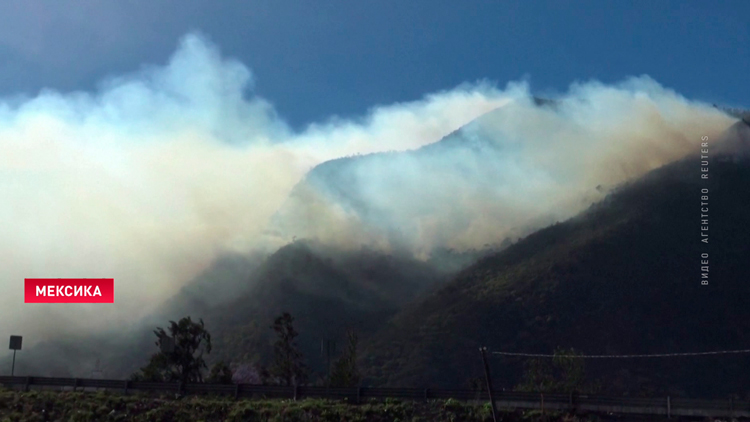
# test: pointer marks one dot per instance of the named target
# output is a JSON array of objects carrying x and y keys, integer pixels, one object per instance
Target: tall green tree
[
  {"x": 185, "y": 362},
  {"x": 288, "y": 367},
  {"x": 345, "y": 372},
  {"x": 563, "y": 373}
]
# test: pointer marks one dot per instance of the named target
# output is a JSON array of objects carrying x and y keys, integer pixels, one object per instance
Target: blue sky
[{"x": 313, "y": 60}]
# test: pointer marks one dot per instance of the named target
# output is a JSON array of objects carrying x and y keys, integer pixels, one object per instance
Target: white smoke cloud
[
  {"x": 152, "y": 177},
  {"x": 538, "y": 165}
]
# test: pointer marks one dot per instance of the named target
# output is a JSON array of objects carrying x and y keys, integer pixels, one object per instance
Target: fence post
[
  {"x": 426, "y": 393},
  {"x": 542, "y": 396},
  {"x": 125, "y": 390},
  {"x": 669, "y": 407},
  {"x": 359, "y": 394},
  {"x": 75, "y": 384},
  {"x": 28, "y": 383},
  {"x": 295, "y": 392},
  {"x": 236, "y": 391}
]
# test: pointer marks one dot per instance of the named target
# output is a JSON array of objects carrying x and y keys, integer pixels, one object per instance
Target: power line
[{"x": 662, "y": 355}]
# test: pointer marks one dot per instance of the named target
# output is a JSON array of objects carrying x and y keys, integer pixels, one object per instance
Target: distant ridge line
[{"x": 738, "y": 113}]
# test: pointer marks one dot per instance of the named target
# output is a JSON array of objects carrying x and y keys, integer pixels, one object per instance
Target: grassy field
[{"x": 101, "y": 406}]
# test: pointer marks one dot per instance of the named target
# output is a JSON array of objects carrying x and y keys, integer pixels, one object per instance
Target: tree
[
  {"x": 571, "y": 370},
  {"x": 345, "y": 372},
  {"x": 288, "y": 367},
  {"x": 185, "y": 363},
  {"x": 220, "y": 373},
  {"x": 564, "y": 373},
  {"x": 537, "y": 376}
]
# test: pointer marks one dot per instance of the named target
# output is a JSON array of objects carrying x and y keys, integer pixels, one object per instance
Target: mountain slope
[
  {"x": 327, "y": 291},
  {"x": 623, "y": 277}
]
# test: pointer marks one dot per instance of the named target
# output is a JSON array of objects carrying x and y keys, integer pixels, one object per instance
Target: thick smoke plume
[
  {"x": 509, "y": 172},
  {"x": 152, "y": 177}
]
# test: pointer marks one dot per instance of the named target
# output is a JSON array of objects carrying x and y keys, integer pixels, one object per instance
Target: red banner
[{"x": 69, "y": 290}]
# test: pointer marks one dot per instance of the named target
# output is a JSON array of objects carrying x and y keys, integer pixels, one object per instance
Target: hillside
[
  {"x": 327, "y": 291},
  {"x": 623, "y": 277}
]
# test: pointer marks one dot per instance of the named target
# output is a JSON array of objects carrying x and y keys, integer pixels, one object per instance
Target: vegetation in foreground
[{"x": 79, "y": 407}]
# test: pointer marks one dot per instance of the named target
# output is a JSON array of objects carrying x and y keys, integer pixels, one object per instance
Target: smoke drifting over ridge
[
  {"x": 153, "y": 177},
  {"x": 511, "y": 171}
]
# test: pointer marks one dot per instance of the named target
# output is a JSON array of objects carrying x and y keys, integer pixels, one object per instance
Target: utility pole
[{"x": 483, "y": 351}]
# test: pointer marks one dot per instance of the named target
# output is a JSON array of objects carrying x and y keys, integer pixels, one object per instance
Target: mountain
[
  {"x": 327, "y": 291},
  {"x": 410, "y": 201},
  {"x": 624, "y": 277}
]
